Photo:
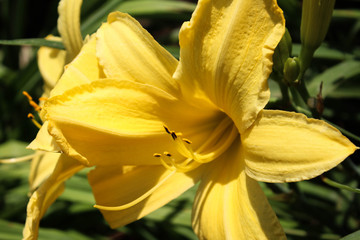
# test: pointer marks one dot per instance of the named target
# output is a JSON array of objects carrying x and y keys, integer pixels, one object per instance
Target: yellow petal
[
  {"x": 69, "y": 26},
  {"x": 83, "y": 69},
  {"x": 47, "y": 193},
  {"x": 44, "y": 141},
  {"x": 226, "y": 53},
  {"x": 231, "y": 205},
  {"x": 112, "y": 122},
  {"x": 286, "y": 147},
  {"x": 111, "y": 187},
  {"x": 41, "y": 168},
  {"x": 51, "y": 64},
  {"x": 128, "y": 52}
]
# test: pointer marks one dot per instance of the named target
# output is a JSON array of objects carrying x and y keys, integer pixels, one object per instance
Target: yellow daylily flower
[
  {"x": 51, "y": 61},
  {"x": 51, "y": 64},
  {"x": 153, "y": 127}
]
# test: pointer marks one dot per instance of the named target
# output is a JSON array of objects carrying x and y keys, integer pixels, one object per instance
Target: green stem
[
  {"x": 305, "y": 95},
  {"x": 284, "y": 93},
  {"x": 339, "y": 185}
]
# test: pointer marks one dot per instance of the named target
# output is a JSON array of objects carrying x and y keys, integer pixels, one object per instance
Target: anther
[
  {"x": 167, "y": 154},
  {"x": 187, "y": 141},
  {"x": 167, "y": 129},
  {"x": 27, "y": 95},
  {"x": 173, "y": 135},
  {"x": 157, "y": 155},
  {"x": 36, "y": 123},
  {"x": 31, "y": 102}
]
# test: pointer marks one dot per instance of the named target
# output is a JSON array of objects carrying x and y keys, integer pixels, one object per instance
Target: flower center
[{"x": 215, "y": 145}]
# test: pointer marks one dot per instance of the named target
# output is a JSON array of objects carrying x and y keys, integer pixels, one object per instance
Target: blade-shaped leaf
[{"x": 35, "y": 42}]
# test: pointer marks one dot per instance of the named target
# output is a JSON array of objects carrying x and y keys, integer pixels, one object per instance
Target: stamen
[
  {"x": 216, "y": 144},
  {"x": 27, "y": 95},
  {"x": 167, "y": 129},
  {"x": 36, "y": 123},
  {"x": 43, "y": 98},
  {"x": 18, "y": 159},
  {"x": 173, "y": 135},
  {"x": 218, "y": 150},
  {"x": 224, "y": 124},
  {"x": 139, "y": 199},
  {"x": 31, "y": 102},
  {"x": 167, "y": 154}
]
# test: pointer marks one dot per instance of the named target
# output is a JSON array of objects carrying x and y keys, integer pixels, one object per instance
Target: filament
[
  {"x": 18, "y": 159},
  {"x": 139, "y": 199},
  {"x": 36, "y": 123},
  {"x": 216, "y": 144}
]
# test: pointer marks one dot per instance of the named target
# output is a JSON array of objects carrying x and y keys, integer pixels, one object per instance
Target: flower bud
[
  {"x": 291, "y": 71},
  {"x": 282, "y": 52},
  {"x": 315, "y": 21}
]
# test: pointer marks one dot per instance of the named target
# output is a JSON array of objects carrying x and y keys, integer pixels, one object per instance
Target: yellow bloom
[
  {"x": 153, "y": 126},
  {"x": 51, "y": 64},
  {"x": 51, "y": 61}
]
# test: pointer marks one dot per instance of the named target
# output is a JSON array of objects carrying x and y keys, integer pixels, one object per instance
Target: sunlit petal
[
  {"x": 69, "y": 26},
  {"x": 83, "y": 69},
  {"x": 111, "y": 119},
  {"x": 285, "y": 147},
  {"x": 41, "y": 168},
  {"x": 111, "y": 187},
  {"x": 44, "y": 141},
  {"x": 226, "y": 53},
  {"x": 51, "y": 64},
  {"x": 230, "y": 205},
  {"x": 129, "y": 52},
  {"x": 47, "y": 193}
]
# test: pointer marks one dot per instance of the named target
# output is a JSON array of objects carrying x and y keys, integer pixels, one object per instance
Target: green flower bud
[
  {"x": 291, "y": 71},
  {"x": 282, "y": 52},
  {"x": 315, "y": 21}
]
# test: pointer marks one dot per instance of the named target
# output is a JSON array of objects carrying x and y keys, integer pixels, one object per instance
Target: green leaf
[
  {"x": 334, "y": 77},
  {"x": 346, "y": 13},
  {"x": 10, "y": 230},
  {"x": 35, "y": 42},
  {"x": 78, "y": 190},
  {"x": 13, "y": 148},
  {"x": 323, "y": 52},
  {"x": 152, "y": 7},
  {"x": 352, "y": 236},
  {"x": 13, "y": 231}
]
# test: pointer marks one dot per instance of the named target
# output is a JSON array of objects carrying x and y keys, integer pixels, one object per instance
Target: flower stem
[{"x": 339, "y": 185}]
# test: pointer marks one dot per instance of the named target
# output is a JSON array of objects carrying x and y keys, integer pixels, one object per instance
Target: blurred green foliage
[{"x": 307, "y": 210}]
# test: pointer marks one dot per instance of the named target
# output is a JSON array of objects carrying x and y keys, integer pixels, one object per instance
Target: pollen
[
  {"x": 173, "y": 135},
  {"x": 167, "y": 129},
  {"x": 31, "y": 101},
  {"x": 167, "y": 154}
]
